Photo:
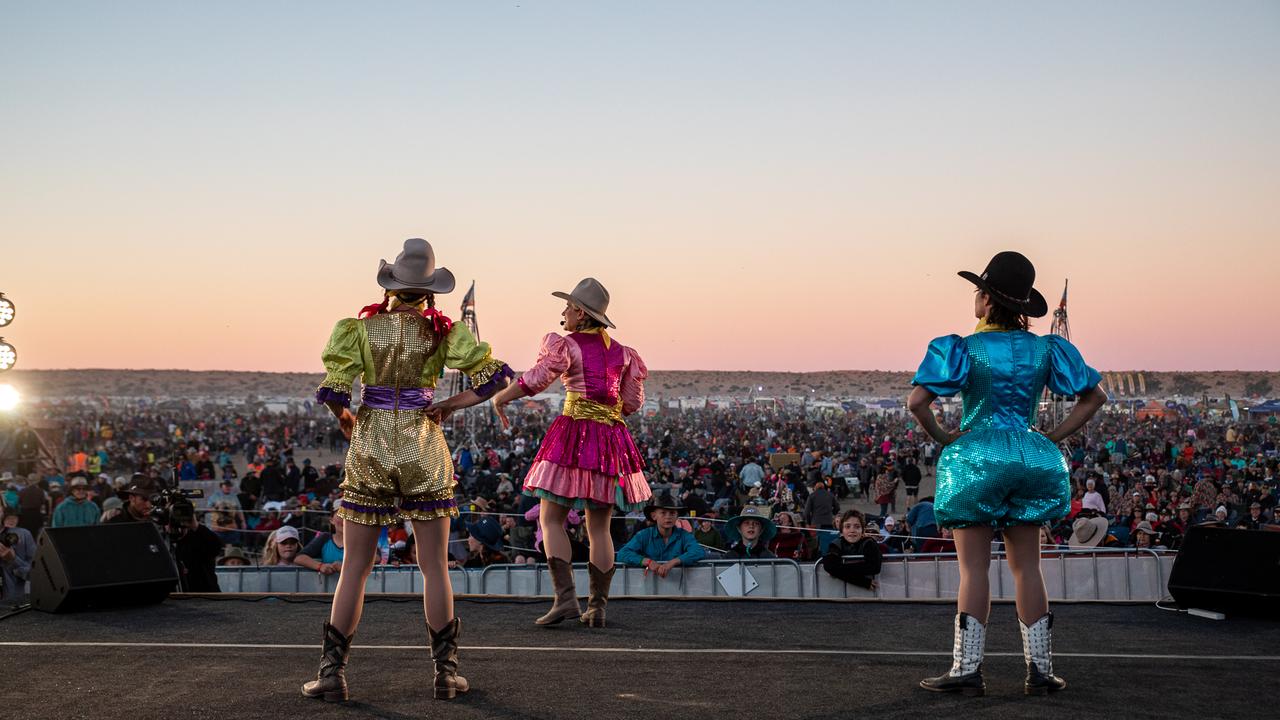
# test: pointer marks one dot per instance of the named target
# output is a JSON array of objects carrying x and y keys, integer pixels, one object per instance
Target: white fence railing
[{"x": 1102, "y": 574}]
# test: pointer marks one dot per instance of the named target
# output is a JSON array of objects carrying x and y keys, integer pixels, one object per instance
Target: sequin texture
[
  {"x": 399, "y": 465},
  {"x": 1002, "y": 472}
]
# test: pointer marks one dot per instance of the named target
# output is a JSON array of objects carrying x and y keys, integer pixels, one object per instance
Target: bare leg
[
  {"x": 431, "y": 542},
  {"x": 973, "y": 545},
  {"x": 555, "y": 541},
  {"x": 601, "y": 541},
  {"x": 359, "y": 542},
  {"x": 1023, "y": 545}
]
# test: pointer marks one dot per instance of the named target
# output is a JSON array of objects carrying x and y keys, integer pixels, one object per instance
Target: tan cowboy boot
[
  {"x": 444, "y": 651},
  {"x": 599, "y": 597},
  {"x": 331, "y": 681},
  {"x": 566, "y": 604}
]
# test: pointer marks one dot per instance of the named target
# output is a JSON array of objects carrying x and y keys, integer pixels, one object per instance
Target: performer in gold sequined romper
[{"x": 399, "y": 466}]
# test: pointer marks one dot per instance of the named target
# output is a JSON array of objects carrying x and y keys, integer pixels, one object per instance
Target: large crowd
[{"x": 786, "y": 482}]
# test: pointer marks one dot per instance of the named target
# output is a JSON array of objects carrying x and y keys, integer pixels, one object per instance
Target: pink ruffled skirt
[{"x": 584, "y": 463}]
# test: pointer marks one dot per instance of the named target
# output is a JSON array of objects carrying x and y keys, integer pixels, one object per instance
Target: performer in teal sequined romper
[{"x": 998, "y": 471}]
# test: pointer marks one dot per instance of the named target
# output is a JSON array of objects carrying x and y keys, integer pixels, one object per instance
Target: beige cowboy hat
[
  {"x": 415, "y": 269},
  {"x": 1088, "y": 532},
  {"x": 591, "y": 296}
]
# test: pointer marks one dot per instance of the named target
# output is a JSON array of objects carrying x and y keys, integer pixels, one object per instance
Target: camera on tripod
[{"x": 172, "y": 509}]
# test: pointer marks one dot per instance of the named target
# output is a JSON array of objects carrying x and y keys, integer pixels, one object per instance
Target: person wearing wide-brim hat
[
  {"x": 1088, "y": 532},
  {"x": 484, "y": 541},
  {"x": 399, "y": 467},
  {"x": 996, "y": 471},
  {"x": 137, "y": 500},
  {"x": 588, "y": 460},
  {"x": 750, "y": 533}
]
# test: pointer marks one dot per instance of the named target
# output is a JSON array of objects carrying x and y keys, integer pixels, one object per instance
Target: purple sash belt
[{"x": 383, "y": 397}]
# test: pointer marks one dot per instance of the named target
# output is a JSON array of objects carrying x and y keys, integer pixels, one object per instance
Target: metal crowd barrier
[
  {"x": 297, "y": 579},
  {"x": 1104, "y": 574},
  {"x": 695, "y": 581},
  {"x": 1078, "y": 575}
]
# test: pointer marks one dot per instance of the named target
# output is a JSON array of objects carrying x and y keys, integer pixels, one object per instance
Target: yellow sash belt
[{"x": 580, "y": 408}]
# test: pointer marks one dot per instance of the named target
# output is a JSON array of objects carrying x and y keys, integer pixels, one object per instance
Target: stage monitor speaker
[
  {"x": 1229, "y": 570},
  {"x": 101, "y": 566}
]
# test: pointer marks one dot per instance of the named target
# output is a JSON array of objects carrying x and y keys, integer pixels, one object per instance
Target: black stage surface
[{"x": 226, "y": 658}]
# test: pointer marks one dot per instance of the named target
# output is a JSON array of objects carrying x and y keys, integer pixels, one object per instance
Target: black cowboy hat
[
  {"x": 663, "y": 502},
  {"x": 1008, "y": 279},
  {"x": 139, "y": 485}
]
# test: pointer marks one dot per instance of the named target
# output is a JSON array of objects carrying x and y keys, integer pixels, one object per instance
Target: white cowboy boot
[
  {"x": 1037, "y": 648},
  {"x": 966, "y": 660}
]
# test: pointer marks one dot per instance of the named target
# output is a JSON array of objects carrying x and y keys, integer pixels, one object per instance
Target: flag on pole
[
  {"x": 469, "y": 300},
  {"x": 1063, "y": 305}
]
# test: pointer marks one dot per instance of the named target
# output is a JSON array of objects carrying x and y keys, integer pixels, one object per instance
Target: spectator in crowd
[
  {"x": 1088, "y": 532},
  {"x": 197, "y": 554},
  {"x": 1255, "y": 520},
  {"x": 111, "y": 507},
  {"x": 1144, "y": 537},
  {"x": 283, "y": 546},
  {"x": 854, "y": 557},
  {"x": 791, "y": 541},
  {"x": 664, "y": 546},
  {"x": 233, "y": 557},
  {"x": 911, "y": 479},
  {"x": 921, "y": 522},
  {"x": 1092, "y": 498},
  {"x": 78, "y": 509},
  {"x": 887, "y": 492},
  {"x": 137, "y": 500},
  {"x": 324, "y": 553},
  {"x": 33, "y": 505},
  {"x": 17, "y": 552},
  {"x": 750, "y": 533},
  {"x": 484, "y": 544},
  {"x": 706, "y": 533}
]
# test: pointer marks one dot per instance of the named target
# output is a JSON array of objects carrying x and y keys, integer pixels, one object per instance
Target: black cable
[{"x": 17, "y": 610}]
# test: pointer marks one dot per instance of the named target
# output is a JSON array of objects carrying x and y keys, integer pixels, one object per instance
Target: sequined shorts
[
  {"x": 997, "y": 478},
  {"x": 398, "y": 468}
]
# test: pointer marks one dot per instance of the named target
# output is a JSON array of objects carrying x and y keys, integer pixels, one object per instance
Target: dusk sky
[{"x": 762, "y": 186}]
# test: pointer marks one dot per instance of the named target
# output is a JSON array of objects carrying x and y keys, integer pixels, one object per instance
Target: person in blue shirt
[
  {"x": 922, "y": 522},
  {"x": 664, "y": 546},
  {"x": 998, "y": 472}
]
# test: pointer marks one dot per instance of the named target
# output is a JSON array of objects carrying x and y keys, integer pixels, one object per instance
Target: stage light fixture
[
  {"x": 8, "y": 355},
  {"x": 9, "y": 397},
  {"x": 7, "y": 310}
]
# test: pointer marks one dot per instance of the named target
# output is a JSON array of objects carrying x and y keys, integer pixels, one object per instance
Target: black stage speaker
[
  {"x": 101, "y": 566},
  {"x": 1228, "y": 570}
]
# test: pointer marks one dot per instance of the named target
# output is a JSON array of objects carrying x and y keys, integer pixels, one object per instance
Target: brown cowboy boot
[
  {"x": 331, "y": 681},
  {"x": 566, "y": 604},
  {"x": 599, "y": 597},
  {"x": 444, "y": 651}
]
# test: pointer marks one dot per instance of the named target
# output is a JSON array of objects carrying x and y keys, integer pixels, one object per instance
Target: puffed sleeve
[
  {"x": 632, "y": 389},
  {"x": 945, "y": 368},
  {"x": 463, "y": 352},
  {"x": 1068, "y": 375},
  {"x": 553, "y": 361},
  {"x": 342, "y": 363}
]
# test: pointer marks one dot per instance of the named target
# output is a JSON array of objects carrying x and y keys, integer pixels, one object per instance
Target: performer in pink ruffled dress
[{"x": 587, "y": 461}]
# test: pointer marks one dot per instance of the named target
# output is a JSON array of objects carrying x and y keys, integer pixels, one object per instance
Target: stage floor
[{"x": 232, "y": 659}]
